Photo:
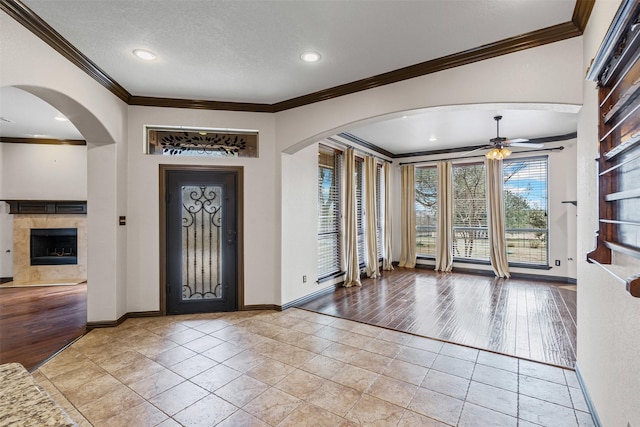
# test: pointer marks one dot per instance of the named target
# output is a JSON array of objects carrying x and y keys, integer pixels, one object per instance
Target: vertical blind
[
  {"x": 329, "y": 212},
  {"x": 360, "y": 211},
  {"x": 379, "y": 184}
]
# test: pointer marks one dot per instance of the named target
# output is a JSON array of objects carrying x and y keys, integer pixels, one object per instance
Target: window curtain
[
  {"x": 408, "y": 220},
  {"x": 352, "y": 266},
  {"x": 444, "y": 226},
  {"x": 370, "y": 182},
  {"x": 386, "y": 225},
  {"x": 495, "y": 217}
]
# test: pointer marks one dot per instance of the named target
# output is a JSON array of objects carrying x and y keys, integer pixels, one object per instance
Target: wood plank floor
[
  {"x": 530, "y": 319},
  {"x": 36, "y": 322}
]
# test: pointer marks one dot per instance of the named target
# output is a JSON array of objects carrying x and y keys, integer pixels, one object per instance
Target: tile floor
[{"x": 298, "y": 368}]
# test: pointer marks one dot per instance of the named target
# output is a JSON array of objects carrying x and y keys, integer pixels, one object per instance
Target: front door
[{"x": 201, "y": 241}]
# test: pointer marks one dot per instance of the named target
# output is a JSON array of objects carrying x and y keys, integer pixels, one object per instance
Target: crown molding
[
  {"x": 149, "y": 101},
  {"x": 581, "y": 14},
  {"x": 45, "y": 141},
  {"x": 366, "y": 144},
  {"x": 26, "y": 17}
]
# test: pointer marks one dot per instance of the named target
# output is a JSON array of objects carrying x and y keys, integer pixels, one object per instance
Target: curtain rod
[
  {"x": 482, "y": 155},
  {"x": 357, "y": 150}
]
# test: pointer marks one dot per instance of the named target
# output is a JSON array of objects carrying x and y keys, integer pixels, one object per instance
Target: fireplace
[{"x": 54, "y": 246}]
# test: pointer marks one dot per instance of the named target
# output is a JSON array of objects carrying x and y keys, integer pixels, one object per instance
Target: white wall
[
  {"x": 44, "y": 172},
  {"x": 300, "y": 224},
  {"x": 28, "y": 63},
  {"x": 261, "y": 201},
  {"x": 608, "y": 317}
]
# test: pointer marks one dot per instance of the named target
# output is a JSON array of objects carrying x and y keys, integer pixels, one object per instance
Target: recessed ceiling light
[
  {"x": 147, "y": 55},
  {"x": 310, "y": 56},
  {"x": 404, "y": 117},
  {"x": 433, "y": 138},
  {"x": 61, "y": 118}
]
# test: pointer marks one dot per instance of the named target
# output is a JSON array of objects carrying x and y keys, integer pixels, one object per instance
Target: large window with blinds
[
  {"x": 329, "y": 211},
  {"x": 426, "y": 210},
  {"x": 525, "y": 206},
  {"x": 470, "y": 229},
  {"x": 525, "y": 203}
]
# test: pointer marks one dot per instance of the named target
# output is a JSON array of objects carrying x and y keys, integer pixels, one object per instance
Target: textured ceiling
[{"x": 248, "y": 51}]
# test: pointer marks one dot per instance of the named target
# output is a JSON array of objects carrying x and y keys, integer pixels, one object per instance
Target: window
[
  {"x": 380, "y": 183},
  {"x": 360, "y": 210},
  {"x": 470, "y": 231},
  {"x": 329, "y": 212},
  {"x": 426, "y": 210},
  {"x": 171, "y": 141},
  {"x": 525, "y": 206}
]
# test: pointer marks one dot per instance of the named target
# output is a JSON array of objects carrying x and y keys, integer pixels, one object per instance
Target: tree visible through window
[
  {"x": 426, "y": 210},
  {"x": 525, "y": 202},
  {"x": 470, "y": 231},
  {"x": 525, "y": 205}
]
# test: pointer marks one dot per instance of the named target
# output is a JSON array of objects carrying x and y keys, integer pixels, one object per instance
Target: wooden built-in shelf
[{"x": 616, "y": 69}]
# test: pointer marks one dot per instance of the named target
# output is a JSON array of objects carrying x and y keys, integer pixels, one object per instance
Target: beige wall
[
  {"x": 261, "y": 202},
  {"x": 44, "y": 172},
  {"x": 608, "y": 317}
]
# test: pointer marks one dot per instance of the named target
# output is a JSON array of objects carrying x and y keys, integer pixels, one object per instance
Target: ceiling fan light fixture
[{"x": 498, "y": 153}]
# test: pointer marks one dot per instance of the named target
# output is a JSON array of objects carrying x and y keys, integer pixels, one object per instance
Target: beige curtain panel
[
  {"x": 370, "y": 182},
  {"x": 444, "y": 226},
  {"x": 352, "y": 276},
  {"x": 386, "y": 224},
  {"x": 495, "y": 217},
  {"x": 408, "y": 217}
]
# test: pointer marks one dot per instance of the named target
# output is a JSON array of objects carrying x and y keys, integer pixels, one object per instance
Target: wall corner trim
[{"x": 587, "y": 398}]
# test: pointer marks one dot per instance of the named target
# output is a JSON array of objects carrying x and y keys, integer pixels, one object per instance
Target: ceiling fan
[{"x": 499, "y": 145}]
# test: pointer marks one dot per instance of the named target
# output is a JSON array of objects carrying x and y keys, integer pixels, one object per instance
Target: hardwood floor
[
  {"x": 36, "y": 322},
  {"x": 530, "y": 319}
]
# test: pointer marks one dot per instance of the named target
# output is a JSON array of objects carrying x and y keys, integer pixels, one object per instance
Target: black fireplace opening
[{"x": 54, "y": 246}]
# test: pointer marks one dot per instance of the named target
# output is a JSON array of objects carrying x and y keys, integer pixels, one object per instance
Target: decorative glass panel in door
[
  {"x": 201, "y": 250},
  {"x": 201, "y": 247}
]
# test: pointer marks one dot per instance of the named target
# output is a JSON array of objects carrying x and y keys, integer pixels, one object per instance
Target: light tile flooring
[{"x": 298, "y": 368}]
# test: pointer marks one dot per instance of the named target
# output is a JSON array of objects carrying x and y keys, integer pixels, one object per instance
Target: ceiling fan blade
[
  {"x": 526, "y": 144},
  {"x": 509, "y": 141},
  {"x": 476, "y": 149}
]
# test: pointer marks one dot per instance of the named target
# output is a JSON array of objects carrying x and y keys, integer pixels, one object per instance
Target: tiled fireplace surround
[{"x": 23, "y": 272}]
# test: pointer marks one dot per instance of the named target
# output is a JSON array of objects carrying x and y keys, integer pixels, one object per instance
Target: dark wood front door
[{"x": 201, "y": 241}]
